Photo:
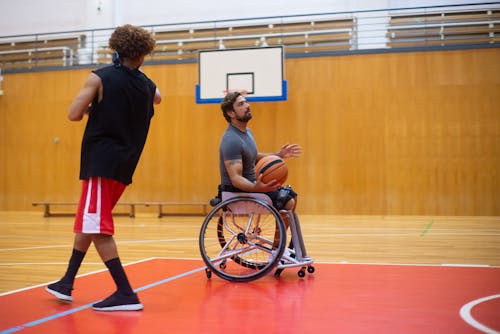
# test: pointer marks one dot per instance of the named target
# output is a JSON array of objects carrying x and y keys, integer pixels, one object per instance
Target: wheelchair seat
[{"x": 228, "y": 194}]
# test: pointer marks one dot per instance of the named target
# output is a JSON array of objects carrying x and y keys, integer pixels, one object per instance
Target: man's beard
[{"x": 245, "y": 118}]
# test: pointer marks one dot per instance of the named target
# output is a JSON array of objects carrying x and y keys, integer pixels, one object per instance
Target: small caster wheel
[
  {"x": 277, "y": 273},
  {"x": 208, "y": 272},
  {"x": 310, "y": 269},
  {"x": 301, "y": 273},
  {"x": 222, "y": 265}
]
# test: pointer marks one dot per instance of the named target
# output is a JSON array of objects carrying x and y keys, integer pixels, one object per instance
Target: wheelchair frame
[{"x": 244, "y": 237}]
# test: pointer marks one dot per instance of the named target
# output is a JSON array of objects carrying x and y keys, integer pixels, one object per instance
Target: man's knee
[
  {"x": 105, "y": 246},
  {"x": 82, "y": 241},
  {"x": 285, "y": 198},
  {"x": 290, "y": 205}
]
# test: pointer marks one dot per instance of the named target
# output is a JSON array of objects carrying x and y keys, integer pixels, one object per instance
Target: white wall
[{"x": 40, "y": 16}]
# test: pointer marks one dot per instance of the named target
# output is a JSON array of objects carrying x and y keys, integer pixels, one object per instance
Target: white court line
[
  {"x": 402, "y": 234},
  {"x": 117, "y": 241},
  {"x": 457, "y": 265},
  {"x": 464, "y": 265},
  {"x": 39, "y": 263},
  {"x": 366, "y": 235},
  {"x": 34, "y": 247},
  {"x": 324, "y": 235},
  {"x": 465, "y": 313},
  {"x": 156, "y": 240},
  {"x": 81, "y": 275},
  {"x": 317, "y": 262}
]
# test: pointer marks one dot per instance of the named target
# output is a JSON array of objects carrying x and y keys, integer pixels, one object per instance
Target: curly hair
[
  {"x": 227, "y": 104},
  {"x": 131, "y": 42}
]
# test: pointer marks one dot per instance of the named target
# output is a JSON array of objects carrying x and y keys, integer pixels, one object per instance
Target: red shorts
[{"x": 98, "y": 198}]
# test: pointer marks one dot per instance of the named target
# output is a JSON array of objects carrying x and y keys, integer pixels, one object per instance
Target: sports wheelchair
[{"x": 244, "y": 238}]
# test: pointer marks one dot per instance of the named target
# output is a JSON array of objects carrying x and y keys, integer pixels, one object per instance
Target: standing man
[{"x": 119, "y": 102}]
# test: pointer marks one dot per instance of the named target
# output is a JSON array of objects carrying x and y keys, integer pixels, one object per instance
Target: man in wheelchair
[{"x": 238, "y": 155}]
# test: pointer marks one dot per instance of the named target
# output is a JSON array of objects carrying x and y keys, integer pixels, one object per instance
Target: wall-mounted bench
[
  {"x": 204, "y": 206},
  {"x": 201, "y": 206},
  {"x": 48, "y": 213}
]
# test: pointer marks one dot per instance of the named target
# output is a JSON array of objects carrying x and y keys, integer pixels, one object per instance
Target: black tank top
[{"x": 117, "y": 127}]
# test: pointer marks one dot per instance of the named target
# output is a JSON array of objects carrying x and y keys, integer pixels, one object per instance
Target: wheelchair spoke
[
  {"x": 249, "y": 223},
  {"x": 263, "y": 241},
  {"x": 227, "y": 244},
  {"x": 229, "y": 254},
  {"x": 234, "y": 223}
]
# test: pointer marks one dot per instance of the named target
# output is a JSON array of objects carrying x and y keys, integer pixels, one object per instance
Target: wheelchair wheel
[{"x": 242, "y": 239}]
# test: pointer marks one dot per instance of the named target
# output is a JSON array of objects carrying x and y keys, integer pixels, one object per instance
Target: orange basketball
[{"x": 272, "y": 167}]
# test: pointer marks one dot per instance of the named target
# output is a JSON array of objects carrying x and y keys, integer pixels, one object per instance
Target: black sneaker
[
  {"x": 60, "y": 290},
  {"x": 119, "y": 302}
]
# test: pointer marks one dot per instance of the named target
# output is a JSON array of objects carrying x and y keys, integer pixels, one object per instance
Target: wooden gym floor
[{"x": 373, "y": 275}]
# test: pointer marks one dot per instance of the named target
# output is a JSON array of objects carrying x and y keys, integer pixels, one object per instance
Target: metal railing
[{"x": 381, "y": 30}]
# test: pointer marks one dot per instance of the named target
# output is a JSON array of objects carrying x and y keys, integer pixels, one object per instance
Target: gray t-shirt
[{"x": 236, "y": 145}]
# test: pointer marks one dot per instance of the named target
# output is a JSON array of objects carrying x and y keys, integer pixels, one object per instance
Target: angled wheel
[{"x": 242, "y": 239}]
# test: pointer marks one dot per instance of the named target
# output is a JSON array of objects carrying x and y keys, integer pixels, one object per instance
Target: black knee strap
[{"x": 284, "y": 195}]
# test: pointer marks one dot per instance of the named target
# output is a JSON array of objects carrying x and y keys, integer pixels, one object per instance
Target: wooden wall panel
[{"x": 383, "y": 134}]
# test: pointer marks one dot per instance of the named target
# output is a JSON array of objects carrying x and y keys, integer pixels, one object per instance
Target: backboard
[{"x": 257, "y": 72}]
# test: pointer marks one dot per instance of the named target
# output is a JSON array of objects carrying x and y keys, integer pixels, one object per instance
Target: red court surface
[{"x": 337, "y": 298}]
